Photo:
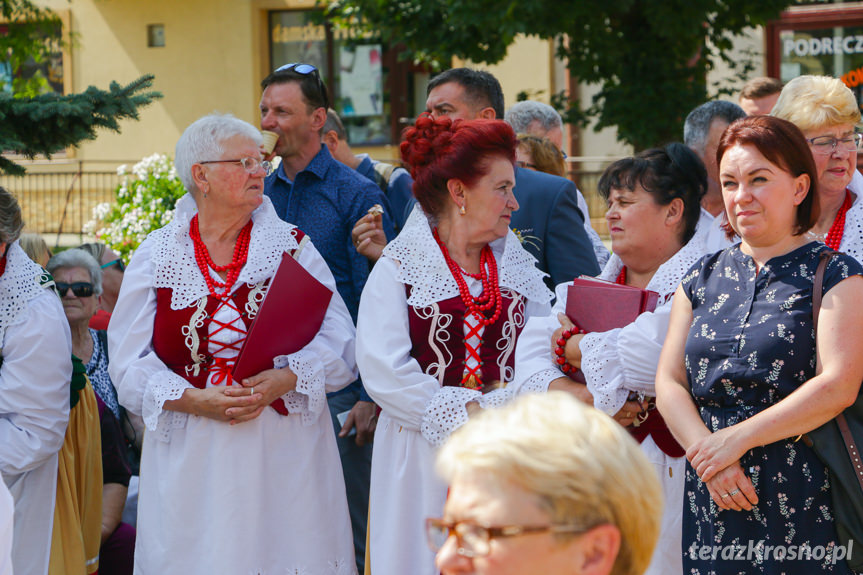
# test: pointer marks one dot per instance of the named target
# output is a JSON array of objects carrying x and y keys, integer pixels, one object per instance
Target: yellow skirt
[{"x": 78, "y": 512}]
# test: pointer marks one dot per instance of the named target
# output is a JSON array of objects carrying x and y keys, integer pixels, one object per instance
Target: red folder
[
  {"x": 596, "y": 305},
  {"x": 289, "y": 317},
  {"x": 599, "y": 305}
]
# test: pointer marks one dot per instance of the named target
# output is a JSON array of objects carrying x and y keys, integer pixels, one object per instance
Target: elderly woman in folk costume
[
  {"x": 653, "y": 208},
  {"x": 827, "y": 113},
  {"x": 236, "y": 477},
  {"x": 35, "y": 370},
  {"x": 438, "y": 323}
]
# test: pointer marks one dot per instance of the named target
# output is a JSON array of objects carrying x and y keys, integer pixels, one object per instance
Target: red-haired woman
[{"x": 438, "y": 323}]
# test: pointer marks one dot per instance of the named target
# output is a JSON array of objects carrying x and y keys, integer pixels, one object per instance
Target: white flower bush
[{"x": 145, "y": 202}]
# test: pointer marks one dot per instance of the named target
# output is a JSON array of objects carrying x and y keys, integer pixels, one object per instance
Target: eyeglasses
[
  {"x": 305, "y": 70},
  {"x": 251, "y": 165},
  {"x": 80, "y": 289},
  {"x": 827, "y": 144},
  {"x": 474, "y": 540},
  {"x": 118, "y": 262}
]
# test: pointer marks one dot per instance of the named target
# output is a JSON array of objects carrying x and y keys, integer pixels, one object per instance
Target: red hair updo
[{"x": 440, "y": 149}]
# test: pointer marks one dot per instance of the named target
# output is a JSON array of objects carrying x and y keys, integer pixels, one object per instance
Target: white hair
[
  {"x": 522, "y": 114},
  {"x": 203, "y": 141},
  {"x": 78, "y": 258}
]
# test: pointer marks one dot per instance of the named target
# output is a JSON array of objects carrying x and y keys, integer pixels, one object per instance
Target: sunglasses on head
[
  {"x": 80, "y": 289},
  {"x": 305, "y": 70},
  {"x": 119, "y": 263}
]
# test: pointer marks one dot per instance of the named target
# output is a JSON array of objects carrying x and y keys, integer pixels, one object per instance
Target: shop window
[
  {"x": 368, "y": 87},
  {"x": 826, "y": 41},
  {"x": 28, "y": 75}
]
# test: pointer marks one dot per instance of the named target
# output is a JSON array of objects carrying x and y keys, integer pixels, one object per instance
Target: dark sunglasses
[
  {"x": 305, "y": 70},
  {"x": 80, "y": 289},
  {"x": 119, "y": 263}
]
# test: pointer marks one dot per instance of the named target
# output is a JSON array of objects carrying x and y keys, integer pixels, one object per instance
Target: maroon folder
[
  {"x": 599, "y": 305},
  {"x": 596, "y": 305},
  {"x": 289, "y": 317}
]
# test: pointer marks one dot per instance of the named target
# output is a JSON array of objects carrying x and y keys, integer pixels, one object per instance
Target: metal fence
[{"x": 57, "y": 200}]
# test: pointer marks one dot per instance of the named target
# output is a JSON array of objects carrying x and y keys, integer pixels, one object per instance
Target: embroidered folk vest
[
  {"x": 437, "y": 337},
  {"x": 180, "y": 336}
]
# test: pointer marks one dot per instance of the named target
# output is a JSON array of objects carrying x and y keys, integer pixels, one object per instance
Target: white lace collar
[
  {"x": 422, "y": 265},
  {"x": 20, "y": 283},
  {"x": 173, "y": 255},
  {"x": 668, "y": 275}
]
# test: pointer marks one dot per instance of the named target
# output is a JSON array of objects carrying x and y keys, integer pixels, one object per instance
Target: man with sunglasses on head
[
  {"x": 548, "y": 216},
  {"x": 325, "y": 198},
  {"x": 112, "y": 276}
]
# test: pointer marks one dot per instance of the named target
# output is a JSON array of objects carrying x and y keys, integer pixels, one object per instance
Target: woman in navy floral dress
[{"x": 739, "y": 379}]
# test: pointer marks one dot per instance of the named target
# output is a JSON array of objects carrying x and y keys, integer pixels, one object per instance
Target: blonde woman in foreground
[{"x": 545, "y": 485}]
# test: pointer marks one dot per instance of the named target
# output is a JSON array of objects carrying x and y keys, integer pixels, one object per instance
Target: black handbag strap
[{"x": 847, "y": 437}]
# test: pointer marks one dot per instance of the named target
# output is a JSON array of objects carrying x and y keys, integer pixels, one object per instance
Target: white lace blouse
[{"x": 413, "y": 397}]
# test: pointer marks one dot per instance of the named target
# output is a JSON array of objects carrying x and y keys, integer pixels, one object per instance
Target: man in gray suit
[{"x": 548, "y": 219}]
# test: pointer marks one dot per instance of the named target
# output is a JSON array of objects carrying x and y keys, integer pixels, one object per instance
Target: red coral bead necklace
[
  {"x": 205, "y": 262},
  {"x": 837, "y": 229},
  {"x": 490, "y": 296}
]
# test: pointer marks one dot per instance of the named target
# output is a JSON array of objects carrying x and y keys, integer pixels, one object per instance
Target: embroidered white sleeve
[
  {"x": 161, "y": 387},
  {"x": 446, "y": 412},
  {"x": 539, "y": 382},
  {"x": 309, "y": 397},
  {"x": 495, "y": 398},
  {"x": 603, "y": 374}
]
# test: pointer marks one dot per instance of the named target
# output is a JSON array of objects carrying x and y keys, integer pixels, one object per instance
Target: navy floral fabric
[{"x": 750, "y": 345}]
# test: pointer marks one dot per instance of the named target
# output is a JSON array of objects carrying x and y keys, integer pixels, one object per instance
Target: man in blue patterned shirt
[{"x": 324, "y": 198}]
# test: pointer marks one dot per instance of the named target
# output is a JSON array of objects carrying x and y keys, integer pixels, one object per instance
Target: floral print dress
[{"x": 751, "y": 344}]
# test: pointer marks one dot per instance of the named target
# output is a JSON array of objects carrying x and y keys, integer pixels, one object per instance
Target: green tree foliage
[
  {"x": 650, "y": 58},
  {"x": 36, "y": 121},
  {"x": 47, "y": 123}
]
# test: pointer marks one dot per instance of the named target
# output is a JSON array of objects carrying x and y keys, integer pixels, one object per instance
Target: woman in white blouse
[
  {"x": 653, "y": 209},
  {"x": 438, "y": 323},
  {"x": 35, "y": 370},
  {"x": 236, "y": 476}
]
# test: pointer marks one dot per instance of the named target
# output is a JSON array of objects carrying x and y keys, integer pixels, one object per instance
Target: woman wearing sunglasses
[
  {"x": 78, "y": 279},
  {"x": 112, "y": 267},
  {"x": 35, "y": 368},
  {"x": 236, "y": 476},
  {"x": 827, "y": 113},
  {"x": 545, "y": 485}
]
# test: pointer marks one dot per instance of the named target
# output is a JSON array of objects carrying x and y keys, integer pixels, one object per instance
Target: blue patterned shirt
[{"x": 325, "y": 200}]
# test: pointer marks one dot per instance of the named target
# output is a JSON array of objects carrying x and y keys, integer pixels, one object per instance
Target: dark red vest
[
  {"x": 438, "y": 340},
  {"x": 180, "y": 336}
]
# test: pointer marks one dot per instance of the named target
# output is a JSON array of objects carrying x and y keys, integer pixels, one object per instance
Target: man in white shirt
[{"x": 701, "y": 132}]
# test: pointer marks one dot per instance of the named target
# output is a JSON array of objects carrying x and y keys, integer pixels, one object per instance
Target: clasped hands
[
  {"x": 716, "y": 460},
  {"x": 238, "y": 403}
]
